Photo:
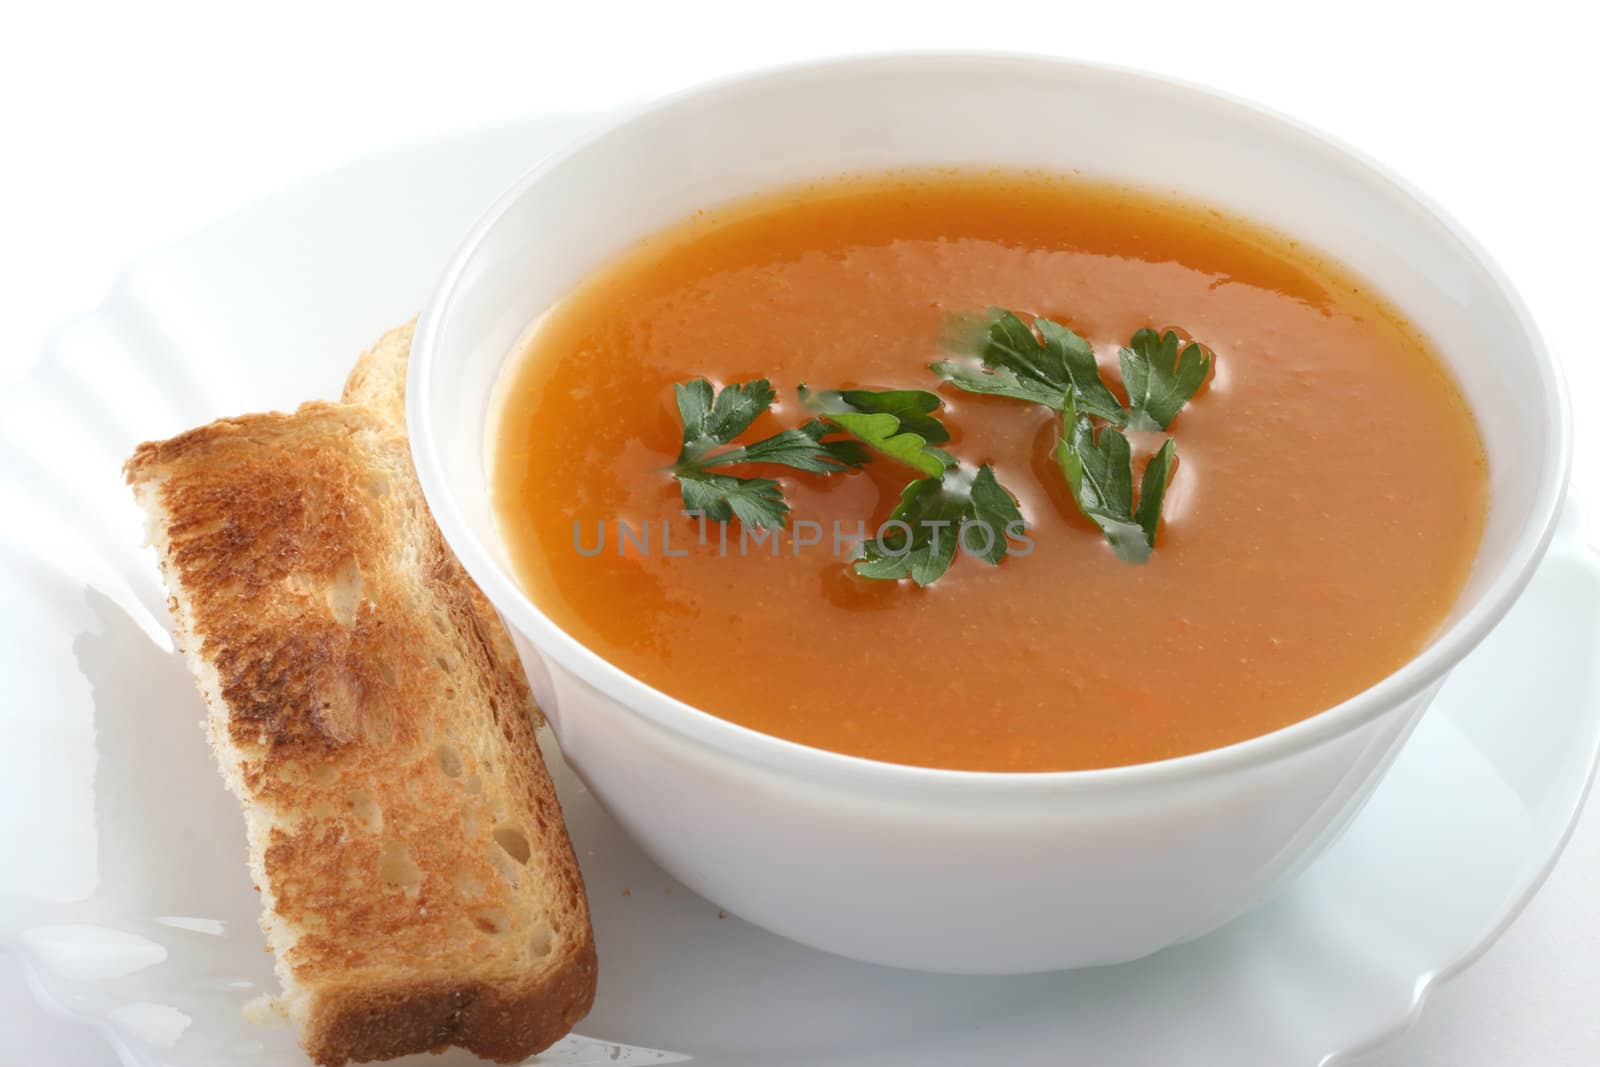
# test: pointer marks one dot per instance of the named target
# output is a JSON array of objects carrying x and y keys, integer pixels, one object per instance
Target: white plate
[{"x": 124, "y": 890}]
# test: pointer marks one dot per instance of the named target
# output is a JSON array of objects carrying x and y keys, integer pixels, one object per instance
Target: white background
[{"x": 127, "y": 124}]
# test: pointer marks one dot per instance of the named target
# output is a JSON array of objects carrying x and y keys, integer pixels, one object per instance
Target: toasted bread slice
[
  {"x": 418, "y": 886},
  {"x": 378, "y": 382}
]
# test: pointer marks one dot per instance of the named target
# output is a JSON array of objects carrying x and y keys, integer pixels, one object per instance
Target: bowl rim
[{"x": 822, "y": 766}]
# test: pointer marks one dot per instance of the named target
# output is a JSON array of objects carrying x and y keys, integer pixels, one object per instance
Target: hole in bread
[
  {"x": 321, "y": 809},
  {"x": 449, "y": 760},
  {"x": 541, "y": 940},
  {"x": 507, "y": 868},
  {"x": 445, "y": 665},
  {"x": 377, "y": 725},
  {"x": 386, "y": 672},
  {"x": 344, "y": 591},
  {"x": 365, "y": 809},
  {"x": 323, "y": 774},
  {"x": 515, "y": 842},
  {"x": 492, "y": 921},
  {"x": 440, "y": 623},
  {"x": 395, "y": 866},
  {"x": 473, "y": 784},
  {"x": 469, "y": 822}
]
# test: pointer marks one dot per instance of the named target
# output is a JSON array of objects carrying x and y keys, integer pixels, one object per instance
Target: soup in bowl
[{"x": 982, "y": 514}]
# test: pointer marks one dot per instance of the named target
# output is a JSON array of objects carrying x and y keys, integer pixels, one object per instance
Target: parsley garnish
[
  {"x": 1045, "y": 363},
  {"x": 921, "y": 537},
  {"x": 1023, "y": 366},
  {"x": 1159, "y": 379},
  {"x": 1099, "y": 470},
  {"x": 1018, "y": 364},
  {"x": 712, "y": 419},
  {"x": 935, "y": 513},
  {"x": 896, "y": 422},
  {"x": 1057, "y": 368}
]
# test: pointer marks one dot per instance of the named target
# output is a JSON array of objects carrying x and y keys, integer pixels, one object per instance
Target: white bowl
[{"x": 951, "y": 870}]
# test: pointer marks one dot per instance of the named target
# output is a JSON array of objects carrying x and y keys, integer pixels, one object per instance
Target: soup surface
[{"x": 1325, "y": 508}]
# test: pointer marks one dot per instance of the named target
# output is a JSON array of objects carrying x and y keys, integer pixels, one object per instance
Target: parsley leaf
[
  {"x": 922, "y": 536},
  {"x": 1153, "y": 490},
  {"x": 714, "y": 417},
  {"x": 1001, "y": 381},
  {"x": 1099, "y": 470},
  {"x": 1082, "y": 371},
  {"x": 1159, "y": 379},
  {"x": 896, "y": 422},
  {"x": 1023, "y": 366},
  {"x": 913, "y": 407},
  {"x": 932, "y": 514},
  {"x": 803, "y": 449},
  {"x": 719, "y": 497}
]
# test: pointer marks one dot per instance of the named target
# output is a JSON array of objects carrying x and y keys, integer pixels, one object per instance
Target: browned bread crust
[
  {"x": 418, "y": 885},
  {"x": 378, "y": 382}
]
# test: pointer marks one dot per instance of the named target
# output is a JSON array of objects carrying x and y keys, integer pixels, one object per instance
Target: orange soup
[{"x": 1322, "y": 515}]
